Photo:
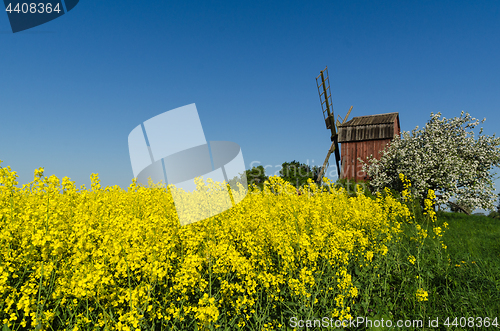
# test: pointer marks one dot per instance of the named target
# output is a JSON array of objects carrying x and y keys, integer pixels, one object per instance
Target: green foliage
[
  {"x": 297, "y": 173},
  {"x": 494, "y": 214},
  {"x": 256, "y": 176}
]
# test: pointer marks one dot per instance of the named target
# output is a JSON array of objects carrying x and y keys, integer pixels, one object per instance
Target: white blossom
[{"x": 443, "y": 156}]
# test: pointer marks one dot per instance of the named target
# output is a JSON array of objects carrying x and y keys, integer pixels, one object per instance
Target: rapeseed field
[{"x": 112, "y": 259}]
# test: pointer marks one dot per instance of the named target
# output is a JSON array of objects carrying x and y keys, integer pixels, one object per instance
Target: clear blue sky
[{"x": 71, "y": 90}]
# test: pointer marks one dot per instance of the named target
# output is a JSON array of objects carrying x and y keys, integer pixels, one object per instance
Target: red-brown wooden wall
[{"x": 350, "y": 151}]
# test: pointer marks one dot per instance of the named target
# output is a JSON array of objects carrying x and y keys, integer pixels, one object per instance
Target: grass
[
  {"x": 462, "y": 283},
  {"x": 472, "y": 285}
]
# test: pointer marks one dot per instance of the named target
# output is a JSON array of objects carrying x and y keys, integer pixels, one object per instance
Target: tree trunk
[{"x": 454, "y": 204}]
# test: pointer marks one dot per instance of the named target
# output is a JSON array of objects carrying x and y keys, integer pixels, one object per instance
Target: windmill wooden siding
[{"x": 364, "y": 136}]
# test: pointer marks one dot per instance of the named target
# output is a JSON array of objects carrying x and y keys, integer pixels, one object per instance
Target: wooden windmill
[{"x": 325, "y": 97}]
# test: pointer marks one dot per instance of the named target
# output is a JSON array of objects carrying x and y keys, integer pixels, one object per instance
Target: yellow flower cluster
[
  {"x": 429, "y": 205},
  {"x": 119, "y": 259},
  {"x": 412, "y": 259},
  {"x": 406, "y": 193},
  {"x": 422, "y": 295}
]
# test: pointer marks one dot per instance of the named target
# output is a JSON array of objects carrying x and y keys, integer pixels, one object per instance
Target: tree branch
[{"x": 454, "y": 204}]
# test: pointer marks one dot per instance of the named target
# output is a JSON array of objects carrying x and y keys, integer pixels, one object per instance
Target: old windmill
[{"x": 325, "y": 97}]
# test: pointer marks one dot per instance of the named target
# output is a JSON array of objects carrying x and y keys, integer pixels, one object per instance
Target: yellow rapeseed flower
[
  {"x": 422, "y": 295},
  {"x": 412, "y": 259},
  {"x": 127, "y": 251}
]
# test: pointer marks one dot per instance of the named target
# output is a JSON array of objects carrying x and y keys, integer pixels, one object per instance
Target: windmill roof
[
  {"x": 373, "y": 127},
  {"x": 387, "y": 118}
]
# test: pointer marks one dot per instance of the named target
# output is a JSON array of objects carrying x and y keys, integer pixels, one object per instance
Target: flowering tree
[{"x": 443, "y": 156}]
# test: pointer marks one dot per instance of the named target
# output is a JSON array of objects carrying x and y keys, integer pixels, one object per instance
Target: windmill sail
[
  {"x": 325, "y": 97},
  {"x": 345, "y": 118}
]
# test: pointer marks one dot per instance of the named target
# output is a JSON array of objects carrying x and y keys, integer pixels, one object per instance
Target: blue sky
[{"x": 71, "y": 90}]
